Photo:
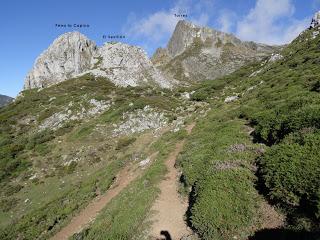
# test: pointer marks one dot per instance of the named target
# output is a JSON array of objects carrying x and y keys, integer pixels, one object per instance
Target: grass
[
  {"x": 124, "y": 217},
  {"x": 81, "y": 133},
  {"x": 279, "y": 102},
  {"x": 224, "y": 202},
  {"x": 124, "y": 142},
  {"x": 44, "y": 220},
  {"x": 73, "y": 161}
]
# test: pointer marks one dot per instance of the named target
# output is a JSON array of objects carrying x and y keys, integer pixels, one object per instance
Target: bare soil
[
  {"x": 89, "y": 213},
  {"x": 169, "y": 209}
]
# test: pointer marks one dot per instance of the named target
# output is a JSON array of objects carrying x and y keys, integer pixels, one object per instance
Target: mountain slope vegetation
[{"x": 280, "y": 100}]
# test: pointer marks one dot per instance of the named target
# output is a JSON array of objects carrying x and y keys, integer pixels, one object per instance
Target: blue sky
[{"x": 28, "y": 27}]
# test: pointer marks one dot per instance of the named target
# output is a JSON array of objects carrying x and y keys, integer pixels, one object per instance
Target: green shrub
[
  {"x": 273, "y": 126},
  {"x": 39, "y": 138},
  {"x": 223, "y": 201},
  {"x": 316, "y": 86},
  {"x": 199, "y": 96},
  {"x": 224, "y": 205},
  {"x": 71, "y": 167},
  {"x": 8, "y": 204},
  {"x": 290, "y": 171}
]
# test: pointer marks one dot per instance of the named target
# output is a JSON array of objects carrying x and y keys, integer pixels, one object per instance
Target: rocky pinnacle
[
  {"x": 73, "y": 54},
  {"x": 315, "y": 20},
  {"x": 69, "y": 55}
]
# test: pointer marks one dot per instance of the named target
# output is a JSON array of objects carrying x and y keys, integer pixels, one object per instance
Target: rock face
[
  {"x": 127, "y": 65},
  {"x": 315, "y": 22},
  {"x": 193, "y": 54},
  {"x": 4, "y": 100},
  {"x": 199, "y": 53},
  {"x": 72, "y": 54},
  {"x": 69, "y": 55}
]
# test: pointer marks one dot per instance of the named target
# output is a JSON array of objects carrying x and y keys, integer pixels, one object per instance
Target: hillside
[
  {"x": 64, "y": 145},
  {"x": 235, "y": 155},
  {"x": 277, "y": 102}
]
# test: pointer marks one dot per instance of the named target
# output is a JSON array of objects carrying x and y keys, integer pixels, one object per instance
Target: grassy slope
[
  {"x": 224, "y": 202},
  {"x": 283, "y": 106},
  {"x": 40, "y": 205},
  {"x": 282, "y": 103},
  {"x": 124, "y": 217}
]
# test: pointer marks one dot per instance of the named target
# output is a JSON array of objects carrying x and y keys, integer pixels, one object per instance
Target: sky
[{"x": 27, "y": 28}]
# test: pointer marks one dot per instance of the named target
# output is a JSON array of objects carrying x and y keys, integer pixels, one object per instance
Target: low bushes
[
  {"x": 224, "y": 205},
  {"x": 290, "y": 171},
  {"x": 223, "y": 198}
]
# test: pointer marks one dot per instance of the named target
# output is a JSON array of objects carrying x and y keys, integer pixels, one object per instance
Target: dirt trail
[
  {"x": 89, "y": 213},
  {"x": 170, "y": 208}
]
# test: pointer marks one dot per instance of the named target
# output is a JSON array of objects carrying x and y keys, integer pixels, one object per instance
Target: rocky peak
[
  {"x": 196, "y": 53},
  {"x": 73, "y": 54},
  {"x": 70, "y": 54},
  {"x": 315, "y": 22},
  {"x": 127, "y": 65},
  {"x": 185, "y": 34},
  {"x": 181, "y": 38}
]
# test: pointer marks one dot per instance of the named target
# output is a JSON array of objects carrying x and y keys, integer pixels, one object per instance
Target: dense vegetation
[
  {"x": 281, "y": 101},
  {"x": 291, "y": 172},
  {"x": 217, "y": 163}
]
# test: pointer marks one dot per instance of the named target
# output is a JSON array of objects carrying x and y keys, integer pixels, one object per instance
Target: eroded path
[
  {"x": 89, "y": 213},
  {"x": 169, "y": 209}
]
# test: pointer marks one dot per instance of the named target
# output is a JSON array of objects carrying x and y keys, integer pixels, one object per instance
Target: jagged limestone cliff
[
  {"x": 69, "y": 55},
  {"x": 126, "y": 65},
  {"x": 315, "y": 22},
  {"x": 198, "y": 53},
  {"x": 73, "y": 54}
]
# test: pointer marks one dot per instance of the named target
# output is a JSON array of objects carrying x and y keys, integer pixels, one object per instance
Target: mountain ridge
[
  {"x": 72, "y": 54},
  {"x": 4, "y": 100},
  {"x": 196, "y": 53}
]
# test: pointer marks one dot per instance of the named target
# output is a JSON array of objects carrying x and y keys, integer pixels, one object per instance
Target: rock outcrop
[
  {"x": 69, "y": 55},
  {"x": 315, "y": 22},
  {"x": 193, "y": 54},
  {"x": 72, "y": 54},
  {"x": 199, "y": 53},
  {"x": 126, "y": 65}
]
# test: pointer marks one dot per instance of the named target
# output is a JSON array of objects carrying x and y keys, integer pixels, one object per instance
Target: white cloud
[
  {"x": 156, "y": 28},
  {"x": 153, "y": 27},
  {"x": 268, "y": 22}
]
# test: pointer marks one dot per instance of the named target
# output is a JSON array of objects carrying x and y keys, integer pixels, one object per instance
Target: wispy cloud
[
  {"x": 268, "y": 22},
  {"x": 156, "y": 28}
]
